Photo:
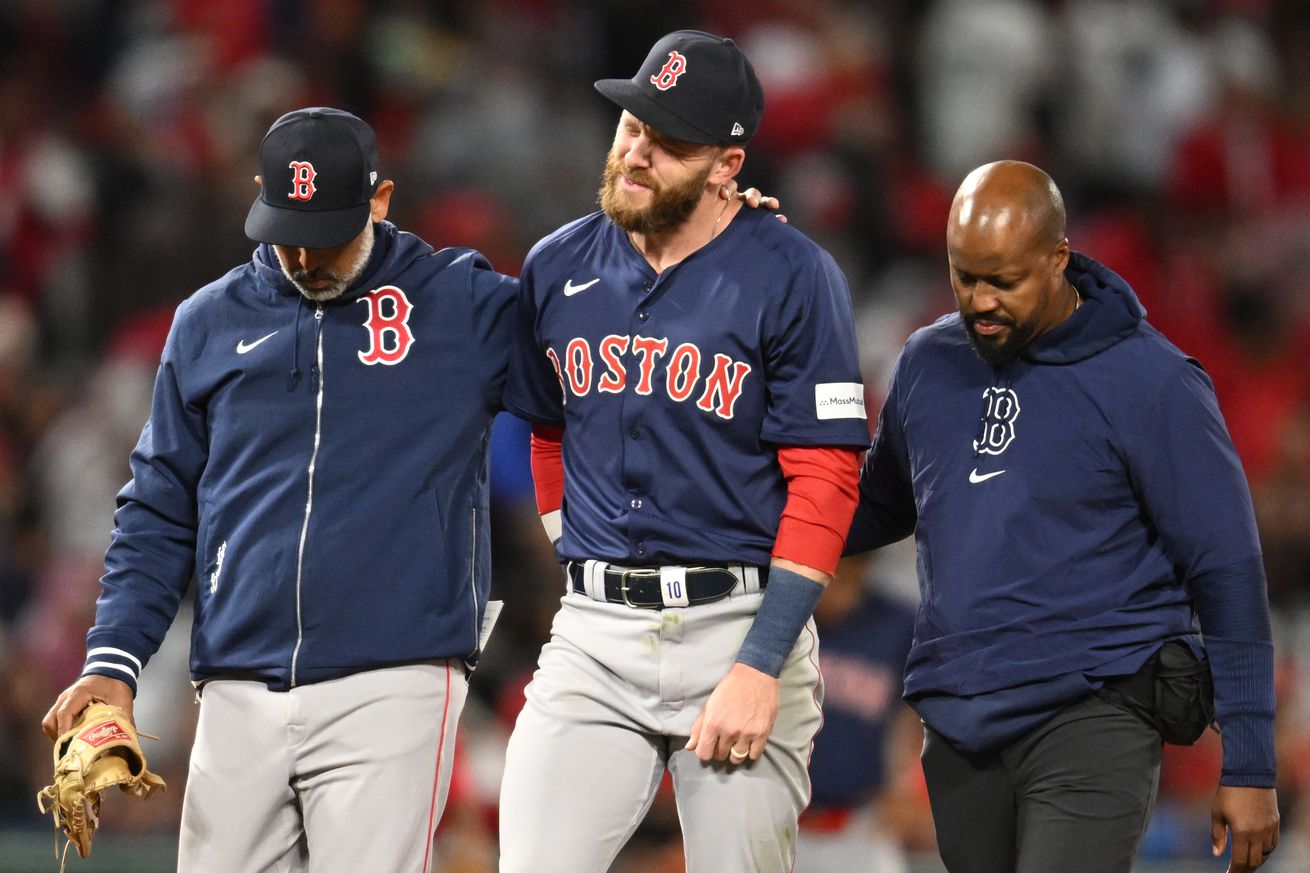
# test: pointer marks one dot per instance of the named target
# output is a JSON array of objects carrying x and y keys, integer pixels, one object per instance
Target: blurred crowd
[{"x": 1178, "y": 130}]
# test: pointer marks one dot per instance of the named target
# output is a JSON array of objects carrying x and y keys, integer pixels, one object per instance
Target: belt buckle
[{"x": 623, "y": 588}]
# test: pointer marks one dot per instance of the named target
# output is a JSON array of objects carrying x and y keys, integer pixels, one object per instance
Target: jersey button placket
[
  {"x": 634, "y": 501},
  {"x": 643, "y": 313}
]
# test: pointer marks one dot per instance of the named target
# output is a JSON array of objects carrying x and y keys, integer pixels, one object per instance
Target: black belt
[{"x": 640, "y": 586}]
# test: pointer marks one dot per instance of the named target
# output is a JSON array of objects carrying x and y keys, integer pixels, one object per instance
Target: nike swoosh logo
[
  {"x": 570, "y": 289},
  {"x": 243, "y": 346},
  {"x": 974, "y": 478}
]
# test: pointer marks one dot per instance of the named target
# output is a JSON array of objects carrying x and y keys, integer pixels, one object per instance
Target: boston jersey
[{"x": 675, "y": 389}]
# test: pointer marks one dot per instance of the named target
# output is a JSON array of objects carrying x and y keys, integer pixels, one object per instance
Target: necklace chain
[{"x": 715, "y": 230}]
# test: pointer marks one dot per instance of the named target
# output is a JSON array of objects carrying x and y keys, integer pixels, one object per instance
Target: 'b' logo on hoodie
[
  {"x": 998, "y": 421},
  {"x": 389, "y": 336}
]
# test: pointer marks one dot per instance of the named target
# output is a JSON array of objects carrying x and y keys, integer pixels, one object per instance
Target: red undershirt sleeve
[
  {"x": 822, "y": 492},
  {"x": 547, "y": 456}
]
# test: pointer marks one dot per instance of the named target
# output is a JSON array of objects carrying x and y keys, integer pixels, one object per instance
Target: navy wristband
[{"x": 788, "y": 603}]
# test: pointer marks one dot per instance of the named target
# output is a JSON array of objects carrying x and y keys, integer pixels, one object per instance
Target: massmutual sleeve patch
[{"x": 839, "y": 400}]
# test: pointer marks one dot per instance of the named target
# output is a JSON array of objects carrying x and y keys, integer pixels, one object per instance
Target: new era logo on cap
[
  {"x": 319, "y": 171},
  {"x": 695, "y": 87}
]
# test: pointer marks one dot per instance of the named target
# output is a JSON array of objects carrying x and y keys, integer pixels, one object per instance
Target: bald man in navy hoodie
[{"x": 1080, "y": 514}]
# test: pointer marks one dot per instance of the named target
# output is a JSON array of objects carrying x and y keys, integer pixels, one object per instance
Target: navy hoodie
[
  {"x": 1072, "y": 511},
  {"x": 321, "y": 469}
]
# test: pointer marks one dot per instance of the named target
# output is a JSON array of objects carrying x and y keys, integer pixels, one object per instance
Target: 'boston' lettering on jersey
[{"x": 682, "y": 370}]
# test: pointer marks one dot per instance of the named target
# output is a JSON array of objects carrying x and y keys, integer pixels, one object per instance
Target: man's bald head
[
  {"x": 1010, "y": 197},
  {"x": 1006, "y": 244}
]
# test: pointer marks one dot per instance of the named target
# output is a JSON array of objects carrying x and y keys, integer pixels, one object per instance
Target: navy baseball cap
[
  {"x": 694, "y": 86},
  {"x": 319, "y": 169}
]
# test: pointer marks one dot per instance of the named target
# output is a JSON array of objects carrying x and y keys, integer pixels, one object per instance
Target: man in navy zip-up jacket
[
  {"x": 316, "y": 456},
  {"x": 1076, "y": 503}
]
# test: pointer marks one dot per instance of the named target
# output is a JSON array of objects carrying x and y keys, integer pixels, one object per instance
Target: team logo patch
[
  {"x": 389, "y": 336},
  {"x": 302, "y": 181},
  {"x": 998, "y": 421},
  {"x": 668, "y": 75},
  {"x": 839, "y": 400},
  {"x": 105, "y": 732}
]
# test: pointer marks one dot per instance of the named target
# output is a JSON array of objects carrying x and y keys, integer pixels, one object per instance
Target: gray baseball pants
[
  {"x": 610, "y": 709},
  {"x": 334, "y": 777}
]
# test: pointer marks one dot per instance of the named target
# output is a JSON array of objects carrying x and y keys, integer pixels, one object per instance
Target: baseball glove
[{"x": 100, "y": 751}]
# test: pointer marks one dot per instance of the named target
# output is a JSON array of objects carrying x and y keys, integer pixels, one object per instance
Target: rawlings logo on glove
[
  {"x": 100, "y": 751},
  {"x": 103, "y": 733}
]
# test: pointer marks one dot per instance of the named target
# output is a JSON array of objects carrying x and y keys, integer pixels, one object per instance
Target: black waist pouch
[{"x": 1172, "y": 692}]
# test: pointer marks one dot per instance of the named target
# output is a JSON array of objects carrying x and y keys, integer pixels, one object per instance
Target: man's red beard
[{"x": 668, "y": 209}]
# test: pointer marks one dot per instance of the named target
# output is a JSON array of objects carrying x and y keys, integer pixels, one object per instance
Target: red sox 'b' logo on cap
[
  {"x": 668, "y": 75},
  {"x": 302, "y": 180}
]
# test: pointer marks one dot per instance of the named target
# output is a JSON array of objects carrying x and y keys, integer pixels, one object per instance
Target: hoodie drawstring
[{"x": 293, "y": 377}]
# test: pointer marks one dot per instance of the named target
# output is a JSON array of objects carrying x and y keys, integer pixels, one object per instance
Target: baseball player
[
  {"x": 316, "y": 456},
  {"x": 691, "y": 370}
]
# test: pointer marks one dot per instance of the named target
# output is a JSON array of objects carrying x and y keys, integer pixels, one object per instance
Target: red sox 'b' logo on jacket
[
  {"x": 389, "y": 336},
  {"x": 668, "y": 75},
  {"x": 998, "y": 421}
]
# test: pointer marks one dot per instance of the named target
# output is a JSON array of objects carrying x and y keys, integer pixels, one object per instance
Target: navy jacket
[
  {"x": 1072, "y": 511},
  {"x": 319, "y": 468}
]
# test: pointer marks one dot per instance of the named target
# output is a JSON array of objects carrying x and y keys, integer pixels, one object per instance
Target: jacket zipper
[
  {"x": 473, "y": 578},
  {"x": 316, "y": 383}
]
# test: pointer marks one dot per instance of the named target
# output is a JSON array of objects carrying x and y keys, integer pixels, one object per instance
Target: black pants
[{"x": 1074, "y": 796}]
